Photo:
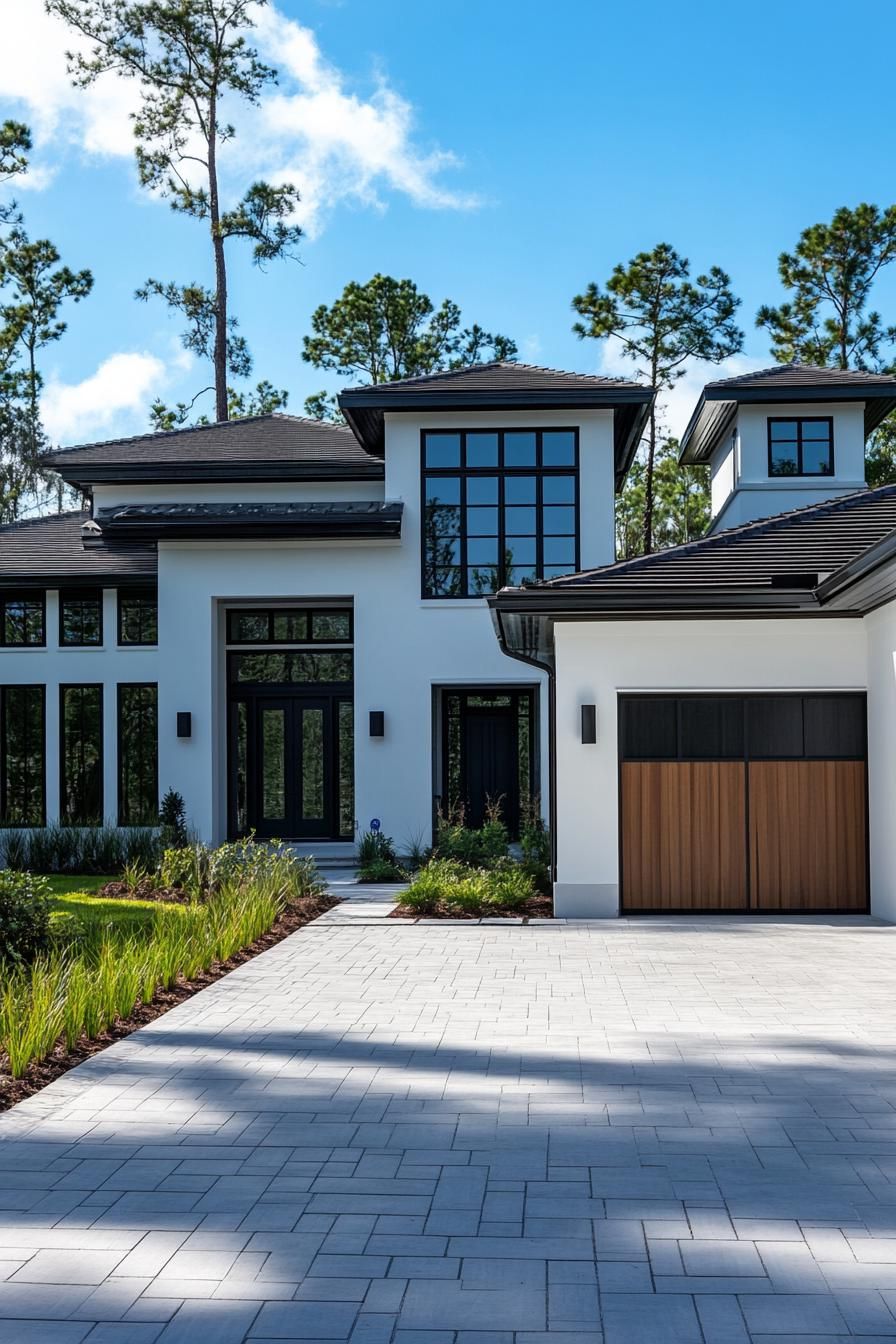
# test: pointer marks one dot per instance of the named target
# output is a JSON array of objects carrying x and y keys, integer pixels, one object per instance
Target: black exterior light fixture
[
  {"x": 377, "y": 723},
  {"x": 184, "y": 723},
  {"x": 589, "y": 724}
]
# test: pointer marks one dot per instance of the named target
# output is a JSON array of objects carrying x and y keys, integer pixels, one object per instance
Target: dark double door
[{"x": 288, "y": 751}]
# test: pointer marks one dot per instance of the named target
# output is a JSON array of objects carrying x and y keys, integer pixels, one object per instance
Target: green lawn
[{"x": 77, "y": 896}]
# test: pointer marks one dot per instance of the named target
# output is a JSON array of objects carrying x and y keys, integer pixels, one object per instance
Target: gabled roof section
[
  {"x": 502, "y": 385},
  {"x": 257, "y": 448},
  {"x": 781, "y": 384},
  {"x": 350, "y": 520},
  {"x": 773, "y": 564},
  {"x": 51, "y": 552}
]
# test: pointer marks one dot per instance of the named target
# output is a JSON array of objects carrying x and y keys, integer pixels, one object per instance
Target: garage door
[{"x": 743, "y": 803}]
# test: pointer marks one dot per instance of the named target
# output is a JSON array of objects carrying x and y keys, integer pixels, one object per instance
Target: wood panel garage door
[{"x": 751, "y": 803}]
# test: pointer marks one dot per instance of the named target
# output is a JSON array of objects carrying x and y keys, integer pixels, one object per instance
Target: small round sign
[{"x": 375, "y": 824}]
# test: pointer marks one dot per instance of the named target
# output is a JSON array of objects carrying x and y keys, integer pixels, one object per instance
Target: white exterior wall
[
  {"x": 105, "y": 664},
  {"x": 596, "y": 661},
  {"x": 881, "y": 635},
  {"x": 755, "y": 494}
]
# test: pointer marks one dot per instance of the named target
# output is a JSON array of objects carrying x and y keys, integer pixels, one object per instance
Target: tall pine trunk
[
  {"x": 219, "y": 358},
  {"x": 648, "y": 484}
]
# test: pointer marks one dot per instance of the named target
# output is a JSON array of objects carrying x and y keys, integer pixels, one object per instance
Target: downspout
[{"x": 543, "y": 666}]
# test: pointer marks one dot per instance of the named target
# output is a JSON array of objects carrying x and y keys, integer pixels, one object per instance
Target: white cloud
[
  {"x": 311, "y": 128},
  {"x": 675, "y": 407},
  {"x": 114, "y": 400}
]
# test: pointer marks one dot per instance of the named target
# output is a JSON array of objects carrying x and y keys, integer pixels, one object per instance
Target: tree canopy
[
  {"x": 388, "y": 329},
  {"x": 661, "y": 319},
  {"x": 189, "y": 58}
]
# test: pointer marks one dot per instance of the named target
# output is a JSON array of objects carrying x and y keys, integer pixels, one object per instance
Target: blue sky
[{"x": 500, "y": 152}]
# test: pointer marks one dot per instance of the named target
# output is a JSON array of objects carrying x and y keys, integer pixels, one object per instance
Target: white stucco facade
[{"x": 741, "y": 488}]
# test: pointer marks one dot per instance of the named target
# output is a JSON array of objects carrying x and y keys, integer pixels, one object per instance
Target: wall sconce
[
  {"x": 589, "y": 724},
  {"x": 184, "y": 723},
  {"x": 377, "y": 723}
]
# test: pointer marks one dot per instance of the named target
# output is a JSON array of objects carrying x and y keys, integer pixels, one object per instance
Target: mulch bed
[
  {"x": 540, "y": 907},
  {"x": 61, "y": 1060},
  {"x": 146, "y": 890}
]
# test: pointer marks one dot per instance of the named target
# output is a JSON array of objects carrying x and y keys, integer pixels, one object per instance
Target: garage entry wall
[
  {"x": 597, "y": 661},
  {"x": 881, "y": 635}
]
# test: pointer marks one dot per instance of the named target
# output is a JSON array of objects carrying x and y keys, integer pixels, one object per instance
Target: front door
[
  {"x": 291, "y": 766},
  {"x": 488, "y": 755}
]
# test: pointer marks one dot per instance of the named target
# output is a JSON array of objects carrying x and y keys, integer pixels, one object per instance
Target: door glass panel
[
  {"x": 282, "y": 668},
  {"x": 273, "y": 764},
  {"x": 346, "y": 768},
  {"x": 312, "y": 763},
  {"x": 242, "y": 766},
  {"x": 290, "y": 626}
]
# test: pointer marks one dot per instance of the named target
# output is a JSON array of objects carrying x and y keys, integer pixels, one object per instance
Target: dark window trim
[
  {"x": 799, "y": 420},
  {"x": 502, "y": 472},
  {"x": 19, "y": 686},
  {"x": 81, "y": 686},
  {"x": 79, "y": 595},
  {"x": 24, "y": 595},
  {"x": 270, "y": 612},
  {"x": 143, "y": 593},
  {"x": 126, "y": 686}
]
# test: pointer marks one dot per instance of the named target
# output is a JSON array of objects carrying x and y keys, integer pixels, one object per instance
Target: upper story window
[
  {"x": 801, "y": 446},
  {"x": 138, "y": 616},
  {"x": 23, "y": 620},
  {"x": 80, "y": 618},
  {"x": 499, "y": 507}
]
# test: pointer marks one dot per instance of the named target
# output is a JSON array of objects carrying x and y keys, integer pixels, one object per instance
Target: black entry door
[
  {"x": 290, "y": 750},
  {"x": 488, "y": 754}
]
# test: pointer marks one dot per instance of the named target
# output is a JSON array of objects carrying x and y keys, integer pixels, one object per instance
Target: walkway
[{"x": 394, "y": 1133}]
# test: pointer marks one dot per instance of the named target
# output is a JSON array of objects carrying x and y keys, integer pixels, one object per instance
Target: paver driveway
[{"x": 441, "y": 1135}]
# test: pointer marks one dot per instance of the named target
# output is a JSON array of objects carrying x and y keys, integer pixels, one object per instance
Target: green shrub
[
  {"x": 378, "y": 859},
  {"x": 24, "y": 916},
  {"x": 535, "y": 843},
  {"x": 482, "y": 847},
  {"x": 173, "y": 821},
  {"x": 446, "y": 885},
  {"x": 79, "y": 849}
]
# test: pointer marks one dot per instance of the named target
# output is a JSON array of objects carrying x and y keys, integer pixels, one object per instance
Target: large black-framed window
[
  {"x": 81, "y": 755},
  {"x": 289, "y": 625},
  {"x": 499, "y": 507},
  {"x": 801, "y": 445},
  {"x": 138, "y": 616},
  {"x": 23, "y": 621},
  {"x": 138, "y": 754},
  {"x": 23, "y": 755},
  {"x": 80, "y": 617}
]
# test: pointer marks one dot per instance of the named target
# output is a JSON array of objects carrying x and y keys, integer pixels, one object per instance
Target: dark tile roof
[
  {"x": 803, "y": 375},
  {"x": 258, "y": 447},
  {"x": 45, "y": 552},
  {"x": 343, "y": 519},
  {"x": 714, "y": 414},
  {"x": 498, "y": 375},
  {"x": 813, "y": 541},
  {"x": 502, "y": 385}
]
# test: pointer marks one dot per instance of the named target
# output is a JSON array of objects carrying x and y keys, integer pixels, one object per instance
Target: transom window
[
  {"x": 801, "y": 447},
  {"x": 289, "y": 625},
  {"x": 81, "y": 618},
  {"x": 138, "y": 617},
  {"x": 499, "y": 507},
  {"x": 23, "y": 620}
]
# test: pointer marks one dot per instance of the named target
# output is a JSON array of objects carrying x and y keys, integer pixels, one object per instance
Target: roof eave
[
  {"x": 656, "y": 601},
  {"x": 332, "y": 529},
  {"x": 164, "y": 473}
]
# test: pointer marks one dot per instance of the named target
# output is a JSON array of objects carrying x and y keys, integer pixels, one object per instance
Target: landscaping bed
[{"x": 84, "y": 969}]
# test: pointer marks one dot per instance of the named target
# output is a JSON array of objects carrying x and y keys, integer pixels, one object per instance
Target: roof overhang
[
  {"x": 86, "y": 474},
  {"x": 365, "y": 410},
  {"x": 208, "y": 522},
  {"x": 717, "y": 407}
]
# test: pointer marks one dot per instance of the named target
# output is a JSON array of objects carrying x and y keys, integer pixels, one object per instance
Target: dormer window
[{"x": 801, "y": 446}]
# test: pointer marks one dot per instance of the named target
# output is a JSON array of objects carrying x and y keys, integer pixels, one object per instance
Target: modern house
[
  {"x": 725, "y": 711},
  {"x": 285, "y": 620},
  {"x": 289, "y": 623}
]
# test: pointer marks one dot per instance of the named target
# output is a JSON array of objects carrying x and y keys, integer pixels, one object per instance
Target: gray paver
[{"x": 620, "y": 1133}]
